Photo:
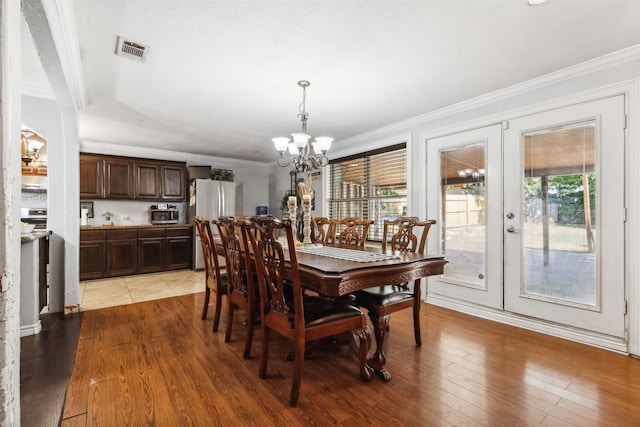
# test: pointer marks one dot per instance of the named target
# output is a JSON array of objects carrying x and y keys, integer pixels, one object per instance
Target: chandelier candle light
[{"x": 307, "y": 156}]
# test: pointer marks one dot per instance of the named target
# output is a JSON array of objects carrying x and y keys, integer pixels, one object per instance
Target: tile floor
[{"x": 102, "y": 293}]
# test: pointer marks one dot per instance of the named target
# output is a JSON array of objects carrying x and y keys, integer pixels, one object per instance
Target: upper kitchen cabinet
[
  {"x": 119, "y": 179},
  {"x": 147, "y": 177},
  {"x": 126, "y": 178},
  {"x": 91, "y": 177},
  {"x": 173, "y": 182}
]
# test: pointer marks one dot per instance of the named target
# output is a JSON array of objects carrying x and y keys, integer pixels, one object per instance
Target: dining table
[{"x": 337, "y": 271}]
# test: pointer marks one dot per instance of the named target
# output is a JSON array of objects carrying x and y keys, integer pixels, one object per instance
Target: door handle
[{"x": 511, "y": 228}]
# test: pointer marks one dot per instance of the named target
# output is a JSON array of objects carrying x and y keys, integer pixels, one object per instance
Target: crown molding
[
  {"x": 36, "y": 91},
  {"x": 156, "y": 153},
  {"x": 62, "y": 25},
  {"x": 609, "y": 60}
]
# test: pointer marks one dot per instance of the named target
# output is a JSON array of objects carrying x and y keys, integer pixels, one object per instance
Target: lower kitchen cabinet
[
  {"x": 129, "y": 251},
  {"x": 151, "y": 244},
  {"x": 178, "y": 248},
  {"x": 122, "y": 252},
  {"x": 92, "y": 254}
]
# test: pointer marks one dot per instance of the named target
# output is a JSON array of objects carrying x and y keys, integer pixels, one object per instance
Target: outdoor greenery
[{"x": 567, "y": 192}]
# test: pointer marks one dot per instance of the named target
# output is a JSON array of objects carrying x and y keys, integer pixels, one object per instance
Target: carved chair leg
[
  {"x": 416, "y": 312},
  {"x": 205, "y": 309},
  {"x": 266, "y": 332},
  {"x": 297, "y": 373},
  {"x": 231, "y": 310},
  {"x": 249, "y": 339},
  {"x": 216, "y": 319}
]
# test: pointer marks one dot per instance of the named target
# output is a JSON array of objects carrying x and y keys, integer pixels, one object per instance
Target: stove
[{"x": 37, "y": 216}]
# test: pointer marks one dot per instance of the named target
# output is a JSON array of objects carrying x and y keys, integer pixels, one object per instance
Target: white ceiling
[{"x": 221, "y": 77}]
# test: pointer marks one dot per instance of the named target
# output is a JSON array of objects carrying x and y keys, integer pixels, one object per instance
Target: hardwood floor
[
  {"x": 157, "y": 363},
  {"x": 46, "y": 360}
]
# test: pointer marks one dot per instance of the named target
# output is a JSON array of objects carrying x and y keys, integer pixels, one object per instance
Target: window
[{"x": 371, "y": 186}]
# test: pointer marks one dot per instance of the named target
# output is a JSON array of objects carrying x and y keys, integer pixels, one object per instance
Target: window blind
[{"x": 370, "y": 186}]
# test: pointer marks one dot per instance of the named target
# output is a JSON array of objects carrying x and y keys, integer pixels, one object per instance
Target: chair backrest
[
  {"x": 325, "y": 228},
  {"x": 271, "y": 271},
  {"x": 233, "y": 253},
  {"x": 403, "y": 234},
  {"x": 354, "y": 231},
  {"x": 211, "y": 264}
]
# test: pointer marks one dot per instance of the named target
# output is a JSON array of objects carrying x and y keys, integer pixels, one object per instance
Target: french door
[
  {"x": 564, "y": 216},
  {"x": 531, "y": 217},
  {"x": 464, "y": 195}
]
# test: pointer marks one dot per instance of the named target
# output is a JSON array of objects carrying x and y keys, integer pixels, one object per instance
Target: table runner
[{"x": 344, "y": 254}]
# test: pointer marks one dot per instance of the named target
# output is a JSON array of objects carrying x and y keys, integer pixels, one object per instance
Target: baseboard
[
  {"x": 573, "y": 334},
  {"x": 31, "y": 329}
]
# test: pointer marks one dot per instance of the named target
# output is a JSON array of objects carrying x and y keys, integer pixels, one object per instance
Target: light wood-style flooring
[{"x": 157, "y": 363}]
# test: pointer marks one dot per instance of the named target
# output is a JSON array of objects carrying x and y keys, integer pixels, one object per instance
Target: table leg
[
  {"x": 364, "y": 342},
  {"x": 377, "y": 362}
]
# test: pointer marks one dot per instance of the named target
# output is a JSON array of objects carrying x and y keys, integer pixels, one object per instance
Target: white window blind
[{"x": 370, "y": 186}]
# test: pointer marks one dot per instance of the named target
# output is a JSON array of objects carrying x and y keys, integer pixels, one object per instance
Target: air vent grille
[{"x": 132, "y": 50}]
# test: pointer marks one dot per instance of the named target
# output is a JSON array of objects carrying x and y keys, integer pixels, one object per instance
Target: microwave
[{"x": 163, "y": 216}]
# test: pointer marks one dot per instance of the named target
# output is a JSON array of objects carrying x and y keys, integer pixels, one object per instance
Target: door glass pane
[
  {"x": 559, "y": 226},
  {"x": 462, "y": 173}
]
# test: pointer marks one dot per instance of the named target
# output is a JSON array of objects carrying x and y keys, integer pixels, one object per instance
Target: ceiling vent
[{"x": 132, "y": 50}]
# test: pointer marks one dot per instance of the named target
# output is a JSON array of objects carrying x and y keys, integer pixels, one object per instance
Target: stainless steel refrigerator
[{"x": 211, "y": 200}]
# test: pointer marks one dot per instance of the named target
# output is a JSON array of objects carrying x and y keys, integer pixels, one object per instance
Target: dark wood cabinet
[
  {"x": 91, "y": 177},
  {"x": 92, "y": 254},
  {"x": 147, "y": 178},
  {"x": 122, "y": 252},
  {"x": 128, "y": 178},
  {"x": 151, "y": 244},
  {"x": 178, "y": 248},
  {"x": 173, "y": 182},
  {"x": 129, "y": 251},
  {"x": 118, "y": 181}
]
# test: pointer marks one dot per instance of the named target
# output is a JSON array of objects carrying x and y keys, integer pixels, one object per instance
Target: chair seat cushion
[
  {"x": 320, "y": 310},
  {"x": 382, "y": 295}
]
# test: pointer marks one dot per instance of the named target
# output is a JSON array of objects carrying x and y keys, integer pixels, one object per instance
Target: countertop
[
  {"x": 30, "y": 237},
  {"x": 121, "y": 227}
]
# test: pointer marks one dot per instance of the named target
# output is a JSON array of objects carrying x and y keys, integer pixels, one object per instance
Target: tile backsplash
[
  {"x": 124, "y": 212},
  {"x": 128, "y": 212},
  {"x": 32, "y": 199}
]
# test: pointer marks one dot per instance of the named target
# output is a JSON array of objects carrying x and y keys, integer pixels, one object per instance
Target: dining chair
[
  {"x": 325, "y": 228},
  {"x": 241, "y": 288},
  {"x": 354, "y": 231},
  {"x": 288, "y": 311},
  {"x": 384, "y": 300},
  {"x": 214, "y": 279}
]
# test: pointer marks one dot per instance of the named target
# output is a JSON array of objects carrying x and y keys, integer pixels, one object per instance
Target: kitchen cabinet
[
  {"x": 178, "y": 248},
  {"x": 174, "y": 184},
  {"x": 91, "y": 177},
  {"x": 92, "y": 254},
  {"x": 151, "y": 244},
  {"x": 134, "y": 250},
  {"x": 118, "y": 179},
  {"x": 147, "y": 177},
  {"x": 122, "y": 252},
  {"x": 128, "y": 178},
  {"x": 37, "y": 170}
]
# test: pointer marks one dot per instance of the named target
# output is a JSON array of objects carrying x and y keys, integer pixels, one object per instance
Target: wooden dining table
[{"x": 334, "y": 275}]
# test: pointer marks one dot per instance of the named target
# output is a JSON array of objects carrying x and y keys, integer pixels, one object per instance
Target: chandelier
[
  {"x": 306, "y": 155},
  {"x": 31, "y": 145}
]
